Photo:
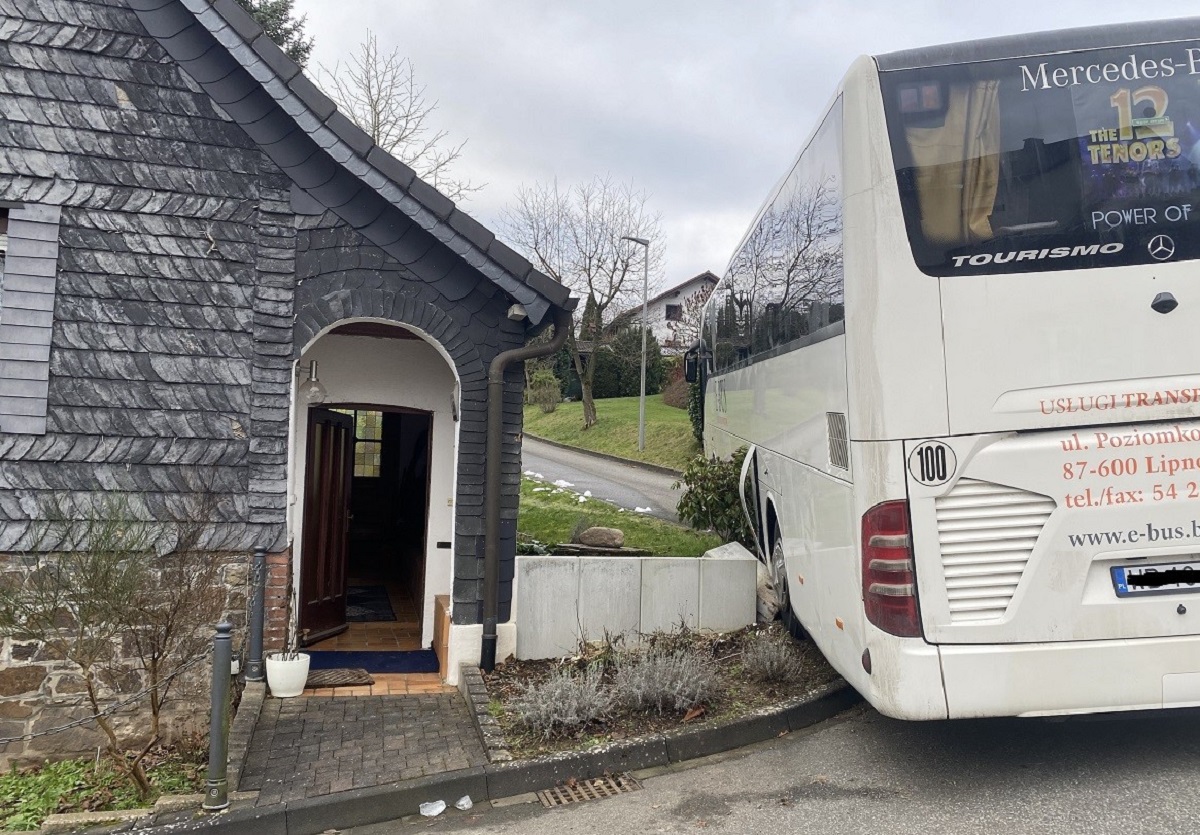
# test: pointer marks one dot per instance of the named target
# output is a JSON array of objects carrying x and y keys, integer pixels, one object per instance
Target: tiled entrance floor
[
  {"x": 380, "y": 635},
  {"x": 401, "y": 634},
  {"x": 388, "y": 684}
]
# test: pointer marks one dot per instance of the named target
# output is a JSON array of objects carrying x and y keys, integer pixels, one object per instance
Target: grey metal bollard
[
  {"x": 216, "y": 791},
  {"x": 258, "y": 606}
]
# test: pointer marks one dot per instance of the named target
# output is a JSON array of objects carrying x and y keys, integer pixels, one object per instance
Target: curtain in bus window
[{"x": 957, "y": 165}]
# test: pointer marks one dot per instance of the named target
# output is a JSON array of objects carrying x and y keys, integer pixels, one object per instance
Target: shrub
[
  {"x": 710, "y": 497},
  {"x": 695, "y": 407},
  {"x": 563, "y": 702},
  {"x": 619, "y": 365},
  {"x": 545, "y": 392},
  {"x": 676, "y": 394},
  {"x": 769, "y": 656},
  {"x": 564, "y": 370},
  {"x": 663, "y": 681}
]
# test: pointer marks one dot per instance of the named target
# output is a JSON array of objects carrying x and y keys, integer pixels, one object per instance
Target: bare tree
[
  {"x": 574, "y": 235},
  {"x": 124, "y": 599},
  {"x": 686, "y": 329},
  {"x": 379, "y": 92}
]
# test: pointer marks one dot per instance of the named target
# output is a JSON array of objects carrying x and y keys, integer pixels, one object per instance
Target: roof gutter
[{"x": 493, "y": 475}]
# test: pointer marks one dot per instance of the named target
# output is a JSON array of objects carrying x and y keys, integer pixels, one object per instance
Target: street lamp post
[{"x": 645, "y": 291}]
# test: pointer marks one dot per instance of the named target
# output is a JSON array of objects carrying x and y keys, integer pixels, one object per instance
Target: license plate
[{"x": 1161, "y": 578}]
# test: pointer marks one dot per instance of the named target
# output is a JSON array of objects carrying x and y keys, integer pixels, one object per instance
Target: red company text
[{"x": 1124, "y": 400}]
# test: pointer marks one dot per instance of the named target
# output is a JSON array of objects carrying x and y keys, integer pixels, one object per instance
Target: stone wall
[{"x": 41, "y": 692}]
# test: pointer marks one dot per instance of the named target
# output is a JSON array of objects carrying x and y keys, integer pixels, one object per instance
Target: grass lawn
[
  {"x": 669, "y": 440},
  {"x": 550, "y": 517}
]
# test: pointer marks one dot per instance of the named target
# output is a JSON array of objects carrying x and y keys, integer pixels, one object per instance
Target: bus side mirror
[{"x": 690, "y": 368}]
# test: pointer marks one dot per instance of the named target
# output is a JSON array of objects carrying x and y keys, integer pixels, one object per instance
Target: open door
[{"x": 322, "y": 609}]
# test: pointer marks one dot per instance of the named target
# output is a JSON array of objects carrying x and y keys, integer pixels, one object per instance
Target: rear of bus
[{"x": 1031, "y": 358}]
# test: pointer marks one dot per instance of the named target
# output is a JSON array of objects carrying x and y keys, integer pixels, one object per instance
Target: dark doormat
[
  {"x": 368, "y": 603},
  {"x": 337, "y": 677},
  {"x": 416, "y": 661}
]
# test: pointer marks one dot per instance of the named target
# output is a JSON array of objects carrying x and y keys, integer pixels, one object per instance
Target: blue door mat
[{"x": 415, "y": 661}]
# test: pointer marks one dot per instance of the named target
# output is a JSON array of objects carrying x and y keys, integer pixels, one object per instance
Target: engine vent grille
[
  {"x": 987, "y": 532},
  {"x": 839, "y": 440}
]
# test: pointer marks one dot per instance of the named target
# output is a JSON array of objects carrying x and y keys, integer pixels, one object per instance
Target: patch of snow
[
  {"x": 563, "y": 483},
  {"x": 642, "y": 509}
]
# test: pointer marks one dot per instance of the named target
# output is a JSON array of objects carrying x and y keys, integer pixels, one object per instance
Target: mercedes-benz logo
[{"x": 1161, "y": 247}]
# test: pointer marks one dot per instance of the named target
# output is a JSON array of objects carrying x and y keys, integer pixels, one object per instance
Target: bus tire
[{"x": 779, "y": 579}]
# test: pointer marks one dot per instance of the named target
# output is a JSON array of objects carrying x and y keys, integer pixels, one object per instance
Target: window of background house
[{"x": 674, "y": 313}]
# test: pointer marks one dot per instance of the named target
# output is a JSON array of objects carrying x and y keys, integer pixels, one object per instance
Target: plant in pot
[{"x": 287, "y": 671}]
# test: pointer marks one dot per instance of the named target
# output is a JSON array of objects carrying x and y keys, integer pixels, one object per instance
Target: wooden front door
[{"x": 326, "y": 525}]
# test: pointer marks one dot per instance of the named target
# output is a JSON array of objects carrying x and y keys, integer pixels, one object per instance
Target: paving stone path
[{"x": 317, "y": 745}]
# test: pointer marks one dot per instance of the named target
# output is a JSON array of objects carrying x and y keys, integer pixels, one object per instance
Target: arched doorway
[{"x": 373, "y": 481}]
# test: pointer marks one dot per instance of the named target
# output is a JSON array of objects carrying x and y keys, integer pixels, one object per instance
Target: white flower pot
[{"x": 286, "y": 676}]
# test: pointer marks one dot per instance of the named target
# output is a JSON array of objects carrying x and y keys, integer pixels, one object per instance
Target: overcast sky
[{"x": 701, "y": 103}]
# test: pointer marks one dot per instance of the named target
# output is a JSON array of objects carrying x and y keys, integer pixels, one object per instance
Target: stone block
[
  {"x": 15, "y": 710},
  {"x": 25, "y": 678},
  {"x": 70, "y": 741},
  {"x": 670, "y": 593},
  {"x": 547, "y": 621},
  {"x": 609, "y": 597},
  {"x": 728, "y": 588}
]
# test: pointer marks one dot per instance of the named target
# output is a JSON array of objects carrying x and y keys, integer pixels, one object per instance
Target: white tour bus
[{"x": 961, "y": 342}]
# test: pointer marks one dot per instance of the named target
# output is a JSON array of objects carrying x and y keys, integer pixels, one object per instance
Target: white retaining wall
[{"x": 559, "y": 600}]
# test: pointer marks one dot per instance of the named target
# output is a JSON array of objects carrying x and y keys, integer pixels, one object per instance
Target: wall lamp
[{"x": 310, "y": 391}]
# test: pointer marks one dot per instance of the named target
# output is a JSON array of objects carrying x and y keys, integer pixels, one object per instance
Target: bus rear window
[{"x": 1068, "y": 161}]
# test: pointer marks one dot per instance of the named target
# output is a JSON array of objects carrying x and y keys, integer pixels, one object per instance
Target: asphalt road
[
  {"x": 863, "y": 773},
  {"x": 625, "y": 485}
]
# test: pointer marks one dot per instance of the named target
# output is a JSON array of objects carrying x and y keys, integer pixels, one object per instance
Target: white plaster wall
[
  {"x": 465, "y": 645},
  {"x": 390, "y": 372}
]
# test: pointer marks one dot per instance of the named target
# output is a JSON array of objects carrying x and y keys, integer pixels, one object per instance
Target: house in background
[
  {"x": 674, "y": 315},
  {"x": 214, "y": 282}
]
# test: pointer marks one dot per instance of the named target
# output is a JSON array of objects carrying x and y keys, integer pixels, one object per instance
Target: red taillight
[{"x": 888, "y": 582}]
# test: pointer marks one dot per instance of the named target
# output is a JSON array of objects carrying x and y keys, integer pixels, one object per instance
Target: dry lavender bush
[
  {"x": 563, "y": 703},
  {"x": 771, "y": 657},
  {"x": 661, "y": 681}
]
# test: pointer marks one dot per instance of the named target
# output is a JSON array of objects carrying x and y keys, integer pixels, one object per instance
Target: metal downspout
[{"x": 492, "y": 477}]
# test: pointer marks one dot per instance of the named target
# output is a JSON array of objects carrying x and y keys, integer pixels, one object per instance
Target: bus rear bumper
[{"x": 1071, "y": 677}]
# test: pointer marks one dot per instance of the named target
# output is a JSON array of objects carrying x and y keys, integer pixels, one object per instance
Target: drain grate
[{"x": 577, "y": 791}]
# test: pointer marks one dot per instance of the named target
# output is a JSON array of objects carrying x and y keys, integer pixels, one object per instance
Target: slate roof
[{"x": 334, "y": 161}]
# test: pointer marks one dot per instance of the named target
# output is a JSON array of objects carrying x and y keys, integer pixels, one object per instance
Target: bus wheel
[{"x": 779, "y": 579}]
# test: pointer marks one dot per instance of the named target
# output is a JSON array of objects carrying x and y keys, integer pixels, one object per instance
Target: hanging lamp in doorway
[{"x": 311, "y": 391}]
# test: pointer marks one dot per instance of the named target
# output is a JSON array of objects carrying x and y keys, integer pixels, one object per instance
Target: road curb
[
  {"x": 378, "y": 804},
  {"x": 658, "y": 468}
]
